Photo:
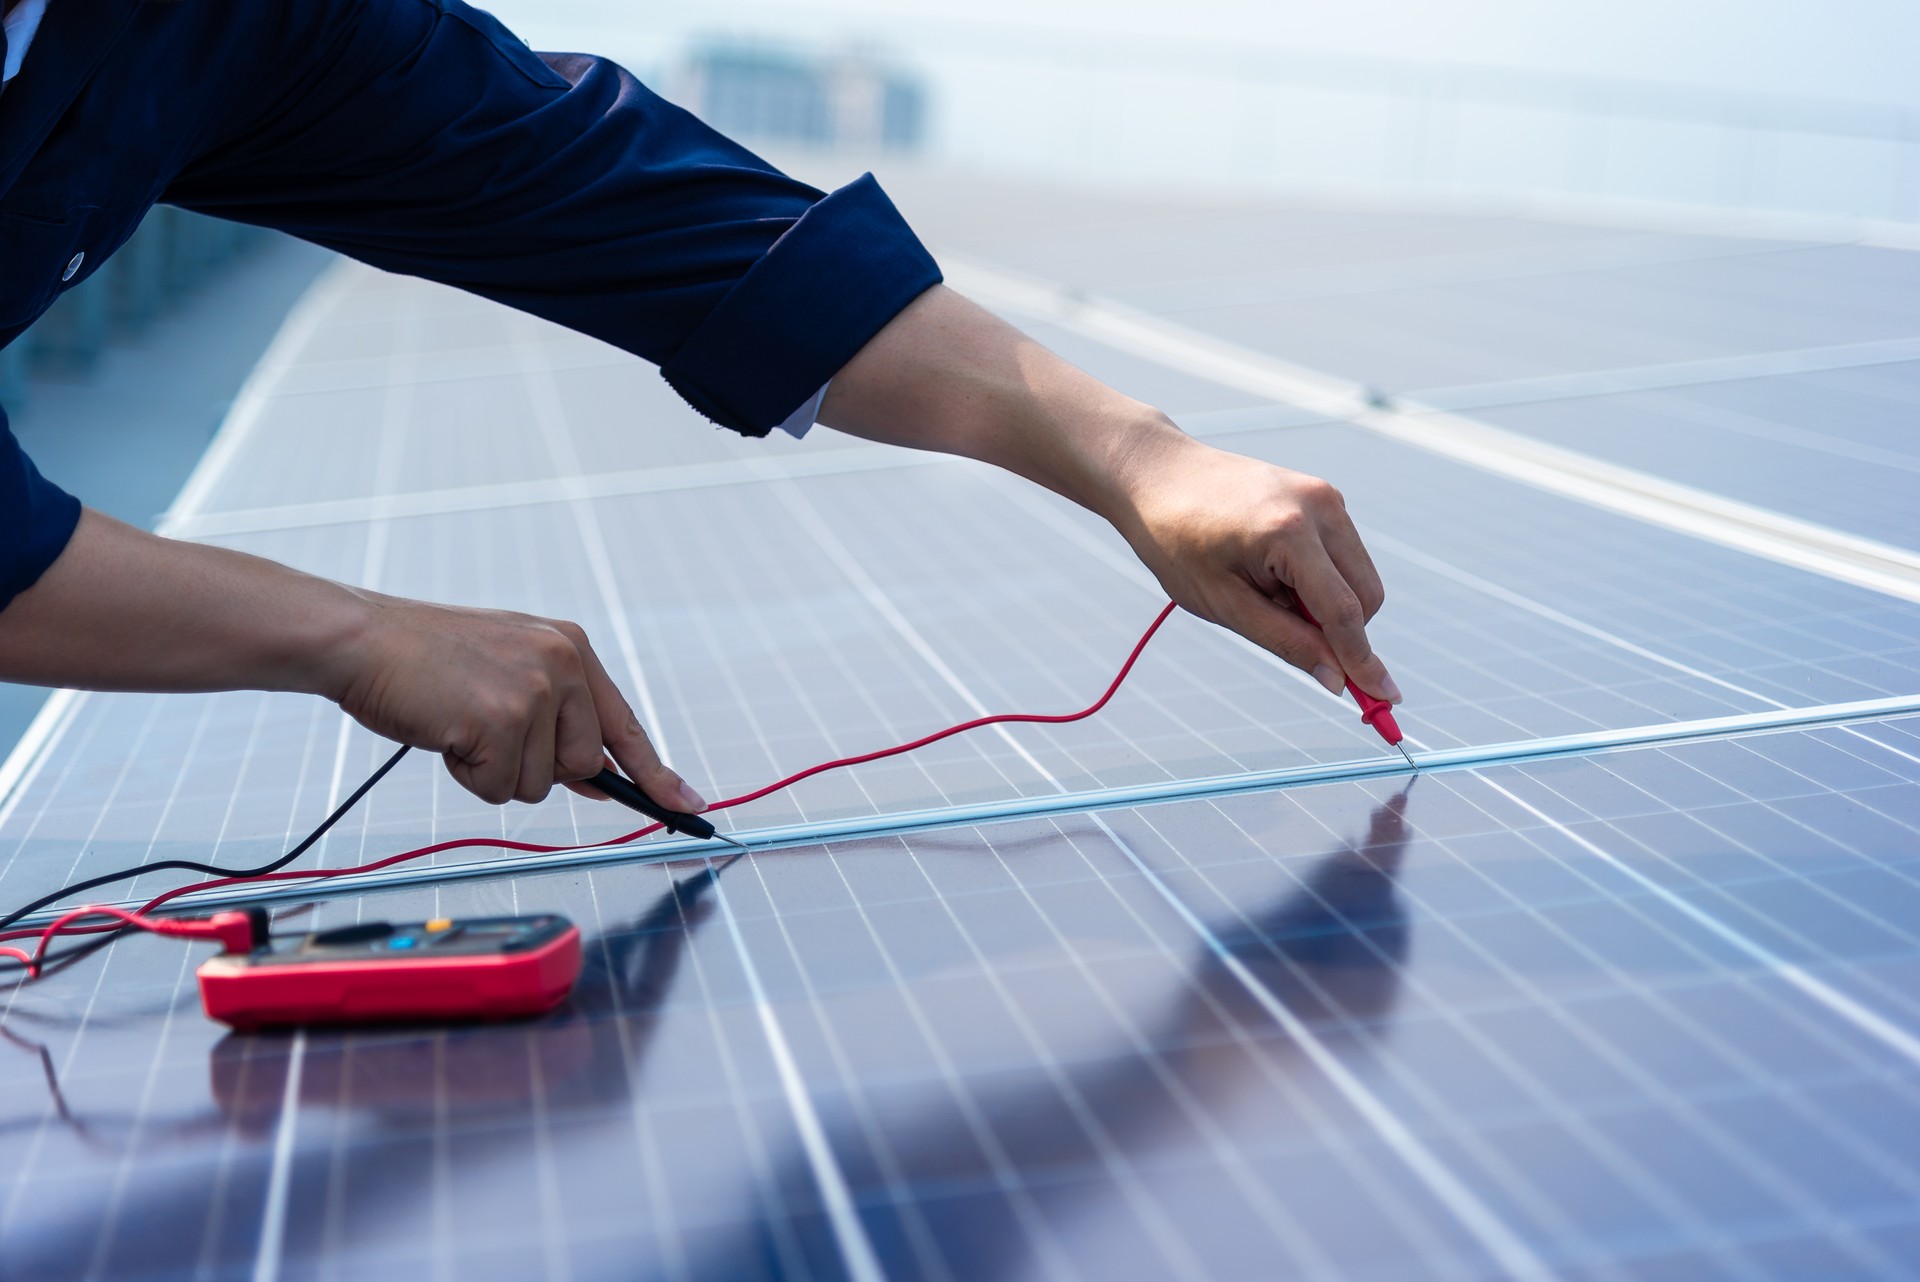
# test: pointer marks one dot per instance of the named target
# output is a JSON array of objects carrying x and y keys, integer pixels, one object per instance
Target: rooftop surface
[{"x": 1621, "y": 986}]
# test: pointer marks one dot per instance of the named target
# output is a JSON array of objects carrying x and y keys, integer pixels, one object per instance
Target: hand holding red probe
[{"x": 1377, "y": 713}]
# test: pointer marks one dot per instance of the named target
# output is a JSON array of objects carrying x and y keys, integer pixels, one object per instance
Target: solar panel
[{"x": 1556, "y": 1007}]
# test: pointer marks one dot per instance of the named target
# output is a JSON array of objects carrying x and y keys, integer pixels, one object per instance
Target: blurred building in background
[
  {"x": 844, "y": 98},
  {"x": 1575, "y": 108}
]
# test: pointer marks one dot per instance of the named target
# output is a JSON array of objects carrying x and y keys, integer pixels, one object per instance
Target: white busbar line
[
  {"x": 23, "y": 763},
  {"x": 1698, "y": 372},
  {"x": 559, "y": 489},
  {"x": 1804, "y": 545},
  {"x": 899, "y": 823}
]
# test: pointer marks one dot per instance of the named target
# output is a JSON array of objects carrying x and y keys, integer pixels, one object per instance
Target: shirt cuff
[
  {"x": 801, "y": 421},
  {"x": 833, "y": 281},
  {"x": 37, "y": 518}
]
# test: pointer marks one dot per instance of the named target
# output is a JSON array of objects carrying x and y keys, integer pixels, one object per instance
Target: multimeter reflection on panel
[{"x": 433, "y": 971}]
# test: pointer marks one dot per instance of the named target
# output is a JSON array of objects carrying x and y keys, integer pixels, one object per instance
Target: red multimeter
[{"x": 437, "y": 971}]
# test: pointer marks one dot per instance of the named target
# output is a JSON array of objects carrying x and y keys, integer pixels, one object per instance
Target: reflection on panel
[{"x": 1343, "y": 1031}]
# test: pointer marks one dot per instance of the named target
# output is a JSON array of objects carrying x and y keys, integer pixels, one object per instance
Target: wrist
[
  {"x": 1139, "y": 457},
  {"x": 332, "y": 640}
]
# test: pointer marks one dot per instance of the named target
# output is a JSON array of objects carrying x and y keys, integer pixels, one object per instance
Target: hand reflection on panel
[{"x": 1331, "y": 950}]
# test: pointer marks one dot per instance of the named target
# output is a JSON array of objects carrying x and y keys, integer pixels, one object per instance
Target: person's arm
[
  {"x": 513, "y": 703},
  {"x": 1227, "y": 536}
]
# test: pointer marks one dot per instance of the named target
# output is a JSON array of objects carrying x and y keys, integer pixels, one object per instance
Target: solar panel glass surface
[{"x": 1639, "y": 1013}]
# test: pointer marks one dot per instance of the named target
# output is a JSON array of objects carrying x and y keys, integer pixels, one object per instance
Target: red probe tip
[{"x": 1380, "y": 717}]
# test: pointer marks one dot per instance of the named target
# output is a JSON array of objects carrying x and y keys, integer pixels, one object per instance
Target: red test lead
[{"x": 1377, "y": 713}]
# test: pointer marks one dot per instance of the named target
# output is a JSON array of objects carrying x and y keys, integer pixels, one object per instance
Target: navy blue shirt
[{"x": 423, "y": 137}]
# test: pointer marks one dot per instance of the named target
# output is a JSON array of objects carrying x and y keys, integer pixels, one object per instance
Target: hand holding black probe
[{"x": 628, "y": 794}]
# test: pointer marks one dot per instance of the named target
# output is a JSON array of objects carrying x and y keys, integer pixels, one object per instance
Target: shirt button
[{"x": 73, "y": 266}]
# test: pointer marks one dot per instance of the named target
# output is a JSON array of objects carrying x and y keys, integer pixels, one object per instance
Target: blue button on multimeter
[{"x": 401, "y": 941}]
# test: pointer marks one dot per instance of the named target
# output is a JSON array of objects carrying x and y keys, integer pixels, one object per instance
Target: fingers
[
  {"x": 1274, "y": 627},
  {"x": 1349, "y": 555},
  {"x": 1335, "y": 605},
  {"x": 632, "y": 750},
  {"x": 578, "y": 753},
  {"x": 486, "y": 762},
  {"x": 535, "y": 724},
  {"x": 535, "y": 779}
]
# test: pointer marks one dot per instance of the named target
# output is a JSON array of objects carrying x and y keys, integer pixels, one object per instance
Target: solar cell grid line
[
  {"x": 1423, "y": 635},
  {"x": 1575, "y": 315},
  {"x": 491, "y": 496},
  {"x": 1789, "y": 938},
  {"x": 935, "y": 1153},
  {"x": 1143, "y": 1206},
  {"x": 1633, "y": 1174},
  {"x": 1409, "y": 1224},
  {"x": 554, "y": 433},
  {"x": 504, "y": 1033},
  {"x": 1076, "y": 588},
  {"x": 1515, "y": 1257},
  {"x": 1016, "y": 650},
  {"x": 1780, "y": 1184},
  {"x": 1303, "y": 1251},
  {"x": 1846, "y": 1008},
  {"x": 851, "y": 680},
  {"x": 1175, "y": 1254},
  {"x": 1684, "y": 594},
  {"x": 1681, "y": 1026},
  {"x": 1690, "y": 440},
  {"x": 863, "y": 668},
  {"x": 394, "y": 423},
  {"x": 1394, "y": 509},
  {"x": 730, "y": 1071},
  {"x": 1786, "y": 1012},
  {"x": 816, "y": 1148},
  {"x": 933, "y": 776},
  {"x": 1634, "y": 1178},
  {"x": 856, "y": 1250},
  {"x": 1440, "y": 271},
  {"x": 1779, "y": 382},
  {"x": 1499, "y": 1239},
  {"x": 1703, "y": 513},
  {"x": 653, "y": 1168},
  {"x": 1433, "y": 565},
  {"x": 1223, "y": 1150},
  {"x": 849, "y": 1233},
  {"x": 856, "y": 573}
]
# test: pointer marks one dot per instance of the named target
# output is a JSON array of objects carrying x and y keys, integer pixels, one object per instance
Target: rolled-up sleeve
[
  {"x": 36, "y": 519},
  {"x": 422, "y": 137}
]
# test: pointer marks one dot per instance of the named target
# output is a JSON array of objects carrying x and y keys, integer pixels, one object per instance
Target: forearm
[
  {"x": 1232, "y": 539},
  {"x": 514, "y": 703},
  {"x": 122, "y": 609},
  {"x": 948, "y": 375}
]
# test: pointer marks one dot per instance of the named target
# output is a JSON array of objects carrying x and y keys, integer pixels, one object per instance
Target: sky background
[
  {"x": 1794, "y": 106},
  {"x": 1863, "y": 50}
]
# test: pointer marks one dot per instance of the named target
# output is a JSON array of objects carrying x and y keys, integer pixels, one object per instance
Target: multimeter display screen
[{"x": 390, "y": 942}]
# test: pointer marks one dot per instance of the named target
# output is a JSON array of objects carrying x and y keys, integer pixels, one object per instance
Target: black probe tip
[{"x": 627, "y": 793}]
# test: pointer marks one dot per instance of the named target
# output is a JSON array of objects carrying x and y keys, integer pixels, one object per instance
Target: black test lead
[{"x": 628, "y": 794}]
